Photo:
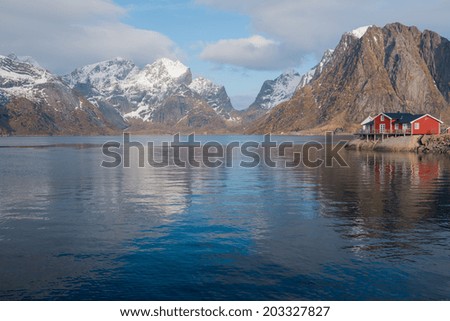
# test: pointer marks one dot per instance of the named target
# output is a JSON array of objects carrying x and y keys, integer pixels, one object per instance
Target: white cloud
[
  {"x": 301, "y": 27},
  {"x": 64, "y": 34},
  {"x": 255, "y": 52}
]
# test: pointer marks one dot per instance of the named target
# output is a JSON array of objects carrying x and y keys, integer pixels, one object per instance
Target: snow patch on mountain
[
  {"x": 215, "y": 95},
  {"x": 203, "y": 86},
  {"x": 21, "y": 78},
  {"x": 359, "y": 32},
  {"x": 148, "y": 87},
  {"x": 316, "y": 70},
  {"x": 136, "y": 93},
  {"x": 274, "y": 92},
  {"x": 175, "y": 69},
  {"x": 103, "y": 76},
  {"x": 281, "y": 89},
  {"x": 19, "y": 73}
]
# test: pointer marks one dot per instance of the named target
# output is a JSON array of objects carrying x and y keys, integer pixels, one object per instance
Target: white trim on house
[
  {"x": 428, "y": 116},
  {"x": 383, "y": 115},
  {"x": 367, "y": 120}
]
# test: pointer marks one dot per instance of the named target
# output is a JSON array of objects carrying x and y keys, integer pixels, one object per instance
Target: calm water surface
[{"x": 72, "y": 230}]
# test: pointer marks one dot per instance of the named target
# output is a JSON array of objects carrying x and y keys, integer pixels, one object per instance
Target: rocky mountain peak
[
  {"x": 165, "y": 69},
  {"x": 143, "y": 94},
  {"x": 276, "y": 91},
  {"x": 14, "y": 72},
  {"x": 215, "y": 95},
  {"x": 203, "y": 85},
  {"x": 174, "y": 68},
  {"x": 358, "y": 33},
  {"x": 103, "y": 76},
  {"x": 317, "y": 69},
  {"x": 34, "y": 101},
  {"x": 373, "y": 70}
]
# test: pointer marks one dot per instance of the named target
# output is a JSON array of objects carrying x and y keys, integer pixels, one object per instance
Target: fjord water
[{"x": 72, "y": 230}]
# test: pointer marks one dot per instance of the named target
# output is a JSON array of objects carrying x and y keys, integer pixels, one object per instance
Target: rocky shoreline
[
  {"x": 439, "y": 144},
  {"x": 436, "y": 144}
]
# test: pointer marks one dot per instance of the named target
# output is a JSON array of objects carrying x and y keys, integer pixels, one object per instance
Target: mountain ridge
[
  {"x": 371, "y": 70},
  {"x": 35, "y": 102},
  {"x": 394, "y": 68},
  {"x": 140, "y": 94}
]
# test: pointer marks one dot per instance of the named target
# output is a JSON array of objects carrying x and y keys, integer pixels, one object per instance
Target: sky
[{"x": 235, "y": 43}]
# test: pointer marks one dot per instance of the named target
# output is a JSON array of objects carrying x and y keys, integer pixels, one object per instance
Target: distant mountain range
[
  {"x": 372, "y": 69},
  {"x": 35, "y": 102},
  {"x": 162, "y": 93}
]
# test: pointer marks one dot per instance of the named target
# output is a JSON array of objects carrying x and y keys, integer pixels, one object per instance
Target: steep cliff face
[
  {"x": 436, "y": 53},
  {"x": 274, "y": 92},
  {"x": 395, "y": 68}
]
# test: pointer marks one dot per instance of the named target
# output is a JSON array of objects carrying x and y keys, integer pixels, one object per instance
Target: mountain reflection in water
[{"x": 72, "y": 230}]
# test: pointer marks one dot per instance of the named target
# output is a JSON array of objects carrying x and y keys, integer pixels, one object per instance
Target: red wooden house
[{"x": 404, "y": 123}]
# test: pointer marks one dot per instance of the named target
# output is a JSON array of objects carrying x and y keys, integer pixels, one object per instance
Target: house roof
[
  {"x": 430, "y": 117},
  {"x": 367, "y": 120},
  {"x": 400, "y": 118},
  {"x": 403, "y": 118}
]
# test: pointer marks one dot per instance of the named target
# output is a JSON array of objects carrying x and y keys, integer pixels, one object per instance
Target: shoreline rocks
[{"x": 437, "y": 144}]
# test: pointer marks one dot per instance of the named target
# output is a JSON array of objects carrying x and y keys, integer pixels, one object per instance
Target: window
[
  {"x": 416, "y": 125},
  {"x": 405, "y": 126},
  {"x": 382, "y": 128},
  {"x": 396, "y": 126},
  {"x": 382, "y": 118}
]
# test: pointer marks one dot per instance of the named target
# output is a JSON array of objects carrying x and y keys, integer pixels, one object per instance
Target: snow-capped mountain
[
  {"x": 281, "y": 89},
  {"x": 138, "y": 93},
  {"x": 359, "y": 32},
  {"x": 316, "y": 70},
  {"x": 328, "y": 55},
  {"x": 274, "y": 92},
  {"x": 104, "y": 77},
  {"x": 216, "y": 96},
  {"x": 20, "y": 78},
  {"x": 34, "y": 101},
  {"x": 395, "y": 67},
  {"x": 146, "y": 89}
]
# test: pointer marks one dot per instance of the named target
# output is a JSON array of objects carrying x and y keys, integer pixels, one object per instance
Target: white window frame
[
  {"x": 382, "y": 118},
  {"x": 382, "y": 128},
  {"x": 416, "y": 126}
]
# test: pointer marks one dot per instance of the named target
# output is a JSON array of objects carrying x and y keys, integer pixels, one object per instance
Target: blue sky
[
  {"x": 191, "y": 26},
  {"x": 237, "y": 43}
]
